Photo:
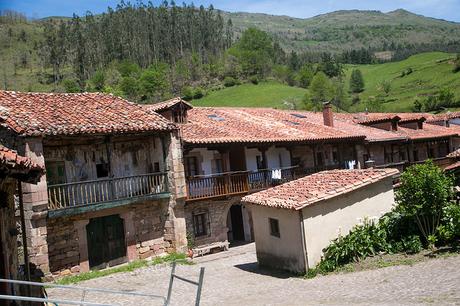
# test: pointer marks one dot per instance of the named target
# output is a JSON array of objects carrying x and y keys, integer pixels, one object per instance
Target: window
[
  {"x": 191, "y": 166},
  {"x": 218, "y": 165},
  {"x": 259, "y": 161},
  {"x": 274, "y": 227},
  {"x": 102, "y": 170},
  {"x": 200, "y": 224},
  {"x": 55, "y": 173}
]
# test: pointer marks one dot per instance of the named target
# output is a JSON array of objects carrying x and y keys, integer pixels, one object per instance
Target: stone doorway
[{"x": 106, "y": 241}]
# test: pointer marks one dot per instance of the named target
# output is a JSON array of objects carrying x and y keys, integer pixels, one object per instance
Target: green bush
[
  {"x": 362, "y": 241},
  {"x": 198, "y": 93},
  {"x": 411, "y": 244},
  {"x": 71, "y": 86},
  {"x": 254, "y": 80},
  {"x": 449, "y": 230},
  {"x": 187, "y": 93},
  {"x": 424, "y": 193},
  {"x": 229, "y": 81}
]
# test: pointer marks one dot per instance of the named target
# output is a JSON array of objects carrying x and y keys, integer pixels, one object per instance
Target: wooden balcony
[
  {"x": 90, "y": 193},
  {"x": 234, "y": 183},
  {"x": 441, "y": 162}
]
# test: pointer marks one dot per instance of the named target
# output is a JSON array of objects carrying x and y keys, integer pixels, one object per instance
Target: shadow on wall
[{"x": 254, "y": 267}]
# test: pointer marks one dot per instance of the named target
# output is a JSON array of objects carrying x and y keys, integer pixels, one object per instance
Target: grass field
[
  {"x": 431, "y": 71},
  {"x": 265, "y": 94}
]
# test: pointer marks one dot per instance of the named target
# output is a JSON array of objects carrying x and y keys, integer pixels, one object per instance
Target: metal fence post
[
  {"x": 171, "y": 280},
  {"x": 200, "y": 285}
]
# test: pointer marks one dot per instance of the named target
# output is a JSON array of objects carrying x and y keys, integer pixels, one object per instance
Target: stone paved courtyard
[{"x": 233, "y": 278}]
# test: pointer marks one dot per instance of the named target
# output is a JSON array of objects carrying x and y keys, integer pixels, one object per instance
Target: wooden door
[
  {"x": 106, "y": 241},
  {"x": 236, "y": 215}
]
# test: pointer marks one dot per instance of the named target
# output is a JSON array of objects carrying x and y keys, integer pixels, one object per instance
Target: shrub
[
  {"x": 254, "y": 80},
  {"x": 424, "y": 193},
  {"x": 229, "y": 81},
  {"x": 411, "y": 244},
  {"x": 362, "y": 241},
  {"x": 187, "y": 93},
  {"x": 71, "y": 86},
  {"x": 198, "y": 93},
  {"x": 449, "y": 230}
]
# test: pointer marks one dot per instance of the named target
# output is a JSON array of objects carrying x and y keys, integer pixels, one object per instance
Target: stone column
[
  {"x": 175, "y": 229},
  {"x": 36, "y": 208}
]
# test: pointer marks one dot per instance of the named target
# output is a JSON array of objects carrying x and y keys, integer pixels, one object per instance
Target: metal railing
[
  {"x": 105, "y": 190},
  {"x": 166, "y": 300},
  {"x": 233, "y": 183}
]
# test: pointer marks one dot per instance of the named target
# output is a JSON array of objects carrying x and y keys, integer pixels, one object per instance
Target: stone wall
[
  {"x": 217, "y": 210},
  {"x": 145, "y": 233}
]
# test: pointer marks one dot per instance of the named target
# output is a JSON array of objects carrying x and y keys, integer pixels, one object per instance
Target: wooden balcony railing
[
  {"x": 401, "y": 166},
  {"x": 105, "y": 190},
  {"x": 233, "y": 183}
]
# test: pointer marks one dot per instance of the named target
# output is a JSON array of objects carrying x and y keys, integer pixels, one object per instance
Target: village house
[
  {"x": 114, "y": 187},
  {"x": 295, "y": 221},
  {"x": 14, "y": 170},
  {"x": 230, "y": 152}
]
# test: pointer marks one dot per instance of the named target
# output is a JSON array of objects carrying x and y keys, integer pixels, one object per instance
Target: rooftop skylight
[{"x": 216, "y": 118}]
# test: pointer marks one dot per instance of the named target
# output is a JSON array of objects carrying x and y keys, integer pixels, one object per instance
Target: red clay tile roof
[
  {"x": 40, "y": 114},
  {"x": 429, "y": 131},
  {"x": 14, "y": 165},
  {"x": 317, "y": 187},
  {"x": 167, "y": 104},
  {"x": 453, "y": 166},
  {"x": 368, "y": 118},
  {"x": 251, "y": 125},
  {"x": 455, "y": 154},
  {"x": 346, "y": 123}
]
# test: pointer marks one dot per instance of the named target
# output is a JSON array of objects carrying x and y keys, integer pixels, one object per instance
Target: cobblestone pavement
[{"x": 233, "y": 278}]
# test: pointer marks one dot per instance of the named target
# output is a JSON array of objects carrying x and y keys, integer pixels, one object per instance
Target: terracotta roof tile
[
  {"x": 167, "y": 104},
  {"x": 453, "y": 166},
  {"x": 429, "y": 131},
  {"x": 226, "y": 124},
  {"x": 317, "y": 187},
  {"x": 39, "y": 114},
  {"x": 15, "y": 165},
  {"x": 455, "y": 154}
]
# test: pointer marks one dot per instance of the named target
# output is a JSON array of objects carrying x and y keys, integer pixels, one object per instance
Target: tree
[
  {"x": 456, "y": 64},
  {"x": 330, "y": 66},
  {"x": 254, "y": 51},
  {"x": 305, "y": 75},
  {"x": 321, "y": 91},
  {"x": 356, "y": 81},
  {"x": 424, "y": 192},
  {"x": 154, "y": 83},
  {"x": 71, "y": 86},
  {"x": 98, "y": 80}
]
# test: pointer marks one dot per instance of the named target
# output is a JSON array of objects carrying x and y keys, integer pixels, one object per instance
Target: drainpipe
[{"x": 304, "y": 245}]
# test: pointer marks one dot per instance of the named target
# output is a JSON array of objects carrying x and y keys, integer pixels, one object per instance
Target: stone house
[
  {"x": 14, "y": 170},
  {"x": 114, "y": 187},
  {"x": 230, "y": 152},
  {"x": 295, "y": 221}
]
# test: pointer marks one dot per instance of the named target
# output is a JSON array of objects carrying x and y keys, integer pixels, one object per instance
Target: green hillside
[
  {"x": 350, "y": 29},
  {"x": 430, "y": 72},
  {"x": 265, "y": 94}
]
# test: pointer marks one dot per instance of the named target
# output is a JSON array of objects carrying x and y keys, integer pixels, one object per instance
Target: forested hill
[
  {"x": 353, "y": 29},
  {"x": 147, "y": 53}
]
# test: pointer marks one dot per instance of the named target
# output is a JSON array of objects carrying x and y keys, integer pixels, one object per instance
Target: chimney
[{"x": 328, "y": 116}]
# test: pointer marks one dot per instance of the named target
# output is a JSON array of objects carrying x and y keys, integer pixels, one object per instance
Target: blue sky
[{"x": 445, "y": 9}]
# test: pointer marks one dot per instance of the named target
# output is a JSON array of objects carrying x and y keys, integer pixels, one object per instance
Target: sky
[{"x": 443, "y": 9}]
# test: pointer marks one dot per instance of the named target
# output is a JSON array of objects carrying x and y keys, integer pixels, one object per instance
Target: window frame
[
  {"x": 274, "y": 227},
  {"x": 200, "y": 224}
]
